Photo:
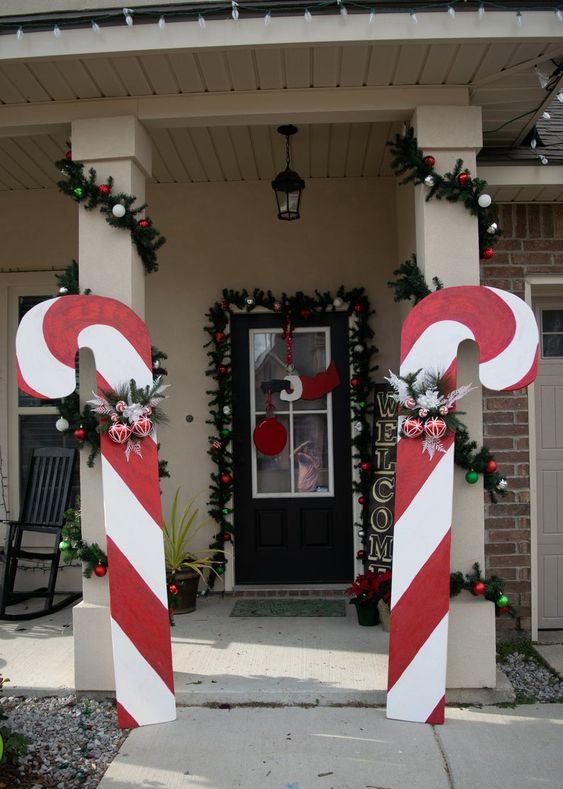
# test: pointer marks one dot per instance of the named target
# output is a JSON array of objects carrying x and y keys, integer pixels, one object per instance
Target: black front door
[{"x": 292, "y": 510}]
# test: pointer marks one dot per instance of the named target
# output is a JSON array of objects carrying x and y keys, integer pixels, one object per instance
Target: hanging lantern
[{"x": 288, "y": 185}]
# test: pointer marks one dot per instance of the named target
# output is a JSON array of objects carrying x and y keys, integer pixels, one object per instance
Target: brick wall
[{"x": 532, "y": 244}]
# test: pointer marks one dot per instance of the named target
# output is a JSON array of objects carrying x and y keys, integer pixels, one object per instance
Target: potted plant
[
  {"x": 366, "y": 592},
  {"x": 184, "y": 566}
]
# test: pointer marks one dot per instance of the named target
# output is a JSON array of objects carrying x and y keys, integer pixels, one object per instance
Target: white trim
[{"x": 533, "y": 285}]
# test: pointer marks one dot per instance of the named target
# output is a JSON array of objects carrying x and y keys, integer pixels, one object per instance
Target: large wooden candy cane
[
  {"x": 504, "y": 328},
  {"x": 47, "y": 340}
]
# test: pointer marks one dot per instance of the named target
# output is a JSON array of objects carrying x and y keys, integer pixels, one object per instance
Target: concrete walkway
[{"x": 343, "y": 748}]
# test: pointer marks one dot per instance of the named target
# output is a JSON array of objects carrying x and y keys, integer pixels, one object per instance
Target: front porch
[{"x": 219, "y": 659}]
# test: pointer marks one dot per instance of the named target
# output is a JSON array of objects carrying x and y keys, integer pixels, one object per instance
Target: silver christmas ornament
[
  {"x": 429, "y": 181},
  {"x": 492, "y": 228},
  {"x": 63, "y": 290},
  {"x": 62, "y": 424},
  {"x": 226, "y": 410},
  {"x": 249, "y": 301},
  {"x": 361, "y": 534},
  {"x": 358, "y": 348}
]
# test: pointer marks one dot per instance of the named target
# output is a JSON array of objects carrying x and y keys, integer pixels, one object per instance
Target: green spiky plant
[{"x": 179, "y": 532}]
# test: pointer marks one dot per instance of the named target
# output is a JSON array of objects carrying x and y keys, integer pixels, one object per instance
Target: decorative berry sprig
[
  {"x": 117, "y": 208},
  {"x": 490, "y": 588},
  {"x": 298, "y": 307},
  {"x": 73, "y": 547},
  {"x": 458, "y": 185}
]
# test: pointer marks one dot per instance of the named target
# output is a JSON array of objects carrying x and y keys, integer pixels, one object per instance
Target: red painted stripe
[
  {"x": 139, "y": 474},
  {"x": 125, "y": 720},
  {"x": 139, "y": 613},
  {"x": 69, "y": 315},
  {"x": 414, "y": 469},
  {"x": 487, "y": 316},
  {"x": 436, "y": 717},
  {"x": 420, "y": 609},
  {"x": 530, "y": 376}
]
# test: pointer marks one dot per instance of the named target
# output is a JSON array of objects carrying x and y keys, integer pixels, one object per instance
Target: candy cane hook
[
  {"x": 504, "y": 328},
  {"x": 46, "y": 344}
]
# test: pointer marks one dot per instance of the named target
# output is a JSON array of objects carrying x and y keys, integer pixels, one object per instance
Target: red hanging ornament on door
[{"x": 270, "y": 436}]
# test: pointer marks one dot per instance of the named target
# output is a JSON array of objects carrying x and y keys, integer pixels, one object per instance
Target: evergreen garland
[
  {"x": 491, "y": 588},
  {"x": 300, "y": 307},
  {"x": 73, "y": 547},
  {"x": 410, "y": 282},
  {"x": 456, "y": 186},
  {"x": 86, "y": 190}
]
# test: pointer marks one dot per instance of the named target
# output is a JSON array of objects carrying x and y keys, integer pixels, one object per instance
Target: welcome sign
[{"x": 382, "y": 493}]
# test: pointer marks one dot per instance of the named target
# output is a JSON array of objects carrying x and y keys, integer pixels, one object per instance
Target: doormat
[{"x": 270, "y": 607}]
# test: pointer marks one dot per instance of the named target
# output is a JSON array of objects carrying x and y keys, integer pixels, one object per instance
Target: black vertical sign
[{"x": 382, "y": 494}]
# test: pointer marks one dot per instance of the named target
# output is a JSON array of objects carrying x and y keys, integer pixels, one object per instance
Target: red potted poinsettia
[{"x": 365, "y": 593}]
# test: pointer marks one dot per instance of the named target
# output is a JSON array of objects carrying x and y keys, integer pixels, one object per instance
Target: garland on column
[
  {"x": 490, "y": 588},
  {"x": 290, "y": 308},
  {"x": 411, "y": 285},
  {"x": 73, "y": 547},
  {"x": 409, "y": 160},
  {"x": 117, "y": 208}
]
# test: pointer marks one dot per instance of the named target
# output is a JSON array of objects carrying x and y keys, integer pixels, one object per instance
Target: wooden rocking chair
[{"x": 47, "y": 496}]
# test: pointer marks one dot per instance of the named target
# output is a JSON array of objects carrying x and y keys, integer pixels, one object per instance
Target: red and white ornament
[
  {"x": 142, "y": 427},
  {"x": 443, "y": 410},
  {"x": 412, "y": 427},
  {"x": 423, "y": 412},
  {"x": 435, "y": 427},
  {"x": 119, "y": 432},
  {"x": 120, "y": 406},
  {"x": 147, "y": 410},
  {"x": 410, "y": 402}
]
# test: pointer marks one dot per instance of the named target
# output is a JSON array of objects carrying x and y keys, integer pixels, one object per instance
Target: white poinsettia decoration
[{"x": 426, "y": 407}]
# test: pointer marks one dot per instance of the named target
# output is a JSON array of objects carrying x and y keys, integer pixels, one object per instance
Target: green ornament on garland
[
  {"x": 502, "y": 601},
  {"x": 226, "y": 433},
  {"x": 220, "y": 569},
  {"x": 362, "y": 404},
  {"x": 78, "y": 191},
  {"x": 472, "y": 477},
  {"x": 64, "y": 545},
  {"x": 226, "y": 511}
]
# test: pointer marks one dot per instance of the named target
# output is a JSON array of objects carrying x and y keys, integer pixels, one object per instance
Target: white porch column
[
  {"x": 447, "y": 246},
  {"x": 109, "y": 266}
]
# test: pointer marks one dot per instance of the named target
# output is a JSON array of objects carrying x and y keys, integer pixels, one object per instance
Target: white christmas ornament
[
  {"x": 337, "y": 302},
  {"x": 118, "y": 210},
  {"x": 358, "y": 427},
  {"x": 358, "y": 348},
  {"x": 429, "y": 181},
  {"x": 63, "y": 290},
  {"x": 485, "y": 200},
  {"x": 492, "y": 228},
  {"x": 226, "y": 410},
  {"x": 62, "y": 424}
]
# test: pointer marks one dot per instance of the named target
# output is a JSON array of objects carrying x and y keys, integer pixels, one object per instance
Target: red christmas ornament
[
  {"x": 355, "y": 382},
  {"x": 104, "y": 190},
  {"x": 227, "y": 536},
  {"x": 365, "y": 465},
  {"x": 270, "y": 436},
  {"x": 503, "y": 610},
  {"x": 173, "y": 589},
  {"x": 80, "y": 433},
  {"x": 488, "y": 253},
  {"x": 358, "y": 308},
  {"x": 142, "y": 427},
  {"x": 226, "y": 479},
  {"x": 491, "y": 466},
  {"x": 435, "y": 427},
  {"x": 479, "y": 587},
  {"x": 429, "y": 161},
  {"x": 463, "y": 179},
  {"x": 305, "y": 313},
  {"x": 100, "y": 570},
  {"x": 222, "y": 370},
  {"x": 361, "y": 554},
  {"x": 219, "y": 336},
  {"x": 68, "y": 156},
  {"x": 412, "y": 427},
  {"x": 362, "y": 500},
  {"x": 225, "y": 304},
  {"x": 119, "y": 432},
  {"x": 144, "y": 223}
]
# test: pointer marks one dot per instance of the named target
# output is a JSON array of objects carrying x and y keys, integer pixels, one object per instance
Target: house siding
[{"x": 532, "y": 244}]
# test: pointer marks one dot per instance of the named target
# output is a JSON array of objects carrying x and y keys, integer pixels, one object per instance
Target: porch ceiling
[{"x": 498, "y": 75}]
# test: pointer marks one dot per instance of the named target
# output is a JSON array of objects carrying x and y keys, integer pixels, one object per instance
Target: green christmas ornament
[
  {"x": 220, "y": 569},
  {"x": 64, "y": 545},
  {"x": 362, "y": 404},
  {"x": 78, "y": 191},
  {"x": 472, "y": 477},
  {"x": 226, "y": 433},
  {"x": 502, "y": 602},
  {"x": 226, "y": 511}
]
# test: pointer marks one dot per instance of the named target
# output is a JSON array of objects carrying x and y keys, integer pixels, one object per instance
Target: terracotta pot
[
  {"x": 187, "y": 582},
  {"x": 368, "y": 615}
]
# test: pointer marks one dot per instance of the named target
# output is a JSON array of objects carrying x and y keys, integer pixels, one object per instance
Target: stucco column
[
  {"x": 447, "y": 246},
  {"x": 109, "y": 266}
]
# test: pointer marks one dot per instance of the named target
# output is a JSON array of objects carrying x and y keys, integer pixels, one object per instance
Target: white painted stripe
[
  {"x": 510, "y": 366},
  {"x": 422, "y": 527},
  {"x": 437, "y": 343},
  {"x": 116, "y": 359},
  {"x": 137, "y": 686},
  {"x": 40, "y": 369},
  {"x": 134, "y": 532},
  {"x": 421, "y": 686}
]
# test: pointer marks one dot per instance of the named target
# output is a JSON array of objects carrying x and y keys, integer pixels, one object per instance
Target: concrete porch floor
[{"x": 222, "y": 659}]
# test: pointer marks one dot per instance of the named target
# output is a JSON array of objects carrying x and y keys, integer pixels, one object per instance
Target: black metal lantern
[{"x": 288, "y": 185}]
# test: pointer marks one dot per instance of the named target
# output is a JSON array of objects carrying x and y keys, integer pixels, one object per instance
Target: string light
[
  {"x": 451, "y": 11},
  {"x": 546, "y": 116},
  {"x": 19, "y": 34},
  {"x": 128, "y": 14},
  {"x": 372, "y": 16},
  {"x": 201, "y": 21},
  {"x": 559, "y": 14},
  {"x": 560, "y": 97},
  {"x": 267, "y": 18},
  {"x": 543, "y": 159},
  {"x": 481, "y": 11},
  {"x": 414, "y": 18},
  {"x": 162, "y": 23},
  {"x": 234, "y": 10},
  {"x": 307, "y": 15},
  {"x": 533, "y": 143},
  {"x": 95, "y": 26},
  {"x": 343, "y": 9},
  {"x": 56, "y": 31},
  {"x": 519, "y": 18}
]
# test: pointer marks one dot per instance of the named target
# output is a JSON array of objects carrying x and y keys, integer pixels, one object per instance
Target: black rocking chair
[{"x": 47, "y": 496}]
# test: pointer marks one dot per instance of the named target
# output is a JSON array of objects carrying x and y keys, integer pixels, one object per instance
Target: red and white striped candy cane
[
  {"x": 47, "y": 340},
  {"x": 504, "y": 328}
]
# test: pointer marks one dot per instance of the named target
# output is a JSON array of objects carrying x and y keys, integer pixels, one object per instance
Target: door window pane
[
  {"x": 552, "y": 333},
  {"x": 310, "y": 455}
]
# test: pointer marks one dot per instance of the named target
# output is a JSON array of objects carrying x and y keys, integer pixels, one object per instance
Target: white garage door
[{"x": 549, "y": 463}]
